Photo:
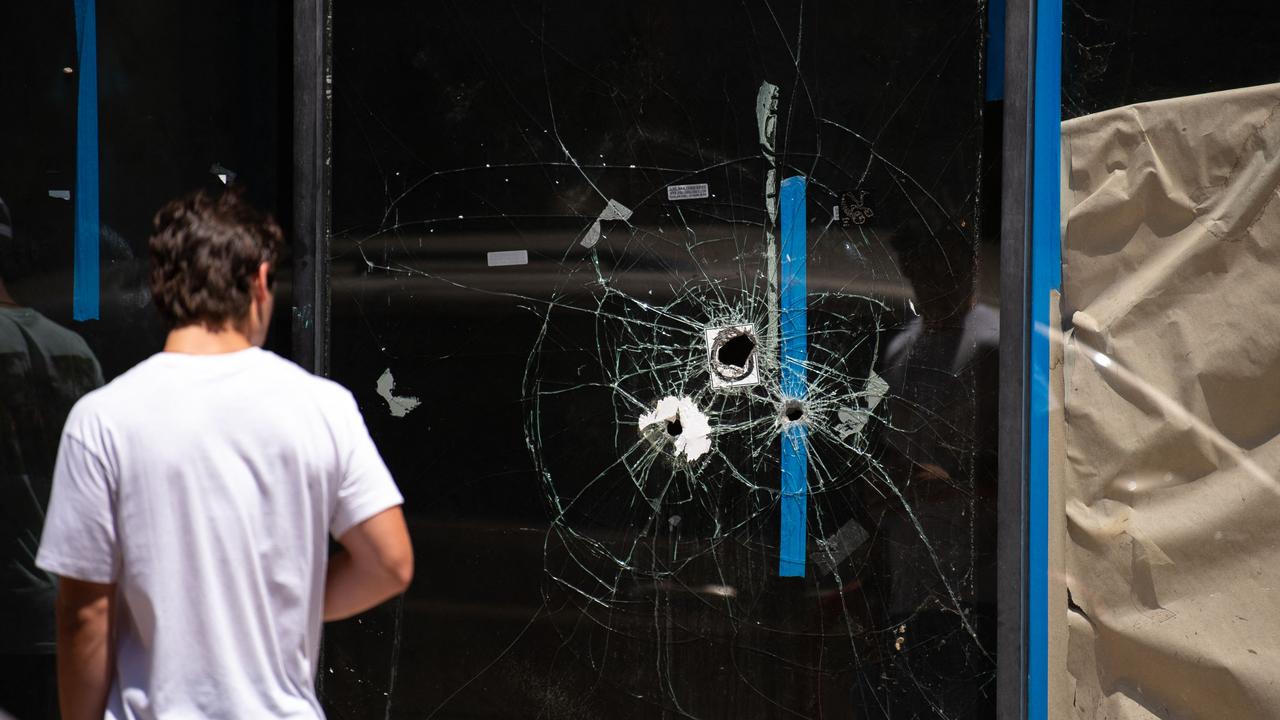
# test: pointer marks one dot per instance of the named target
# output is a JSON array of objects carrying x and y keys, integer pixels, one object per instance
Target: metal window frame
[
  {"x": 1030, "y": 267},
  {"x": 309, "y": 321},
  {"x": 1015, "y": 237},
  {"x": 1044, "y": 276}
]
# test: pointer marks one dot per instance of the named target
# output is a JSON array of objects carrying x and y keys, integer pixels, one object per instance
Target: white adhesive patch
[
  {"x": 226, "y": 176},
  {"x": 694, "y": 439},
  {"x": 614, "y": 210},
  {"x": 854, "y": 419},
  {"x": 767, "y": 126},
  {"x": 400, "y": 406},
  {"x": 836, "y": 549},
  {"x": 507, "y": 258},
  {"x": 60, "y": 194}
]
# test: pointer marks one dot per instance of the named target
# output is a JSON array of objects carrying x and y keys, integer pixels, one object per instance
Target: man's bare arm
[
  {"x": 84, "y": 616},
  {"x": 375, "y": 564}
]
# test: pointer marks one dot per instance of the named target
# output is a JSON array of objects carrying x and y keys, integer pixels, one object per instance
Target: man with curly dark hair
[{"x": 193, "y": 498}]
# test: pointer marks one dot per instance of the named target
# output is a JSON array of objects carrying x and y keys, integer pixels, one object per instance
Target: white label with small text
[{"x": 688, "y": 192}]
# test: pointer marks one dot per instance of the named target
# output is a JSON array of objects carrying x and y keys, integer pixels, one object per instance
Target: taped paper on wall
[{"x": 1170, "y": 427}]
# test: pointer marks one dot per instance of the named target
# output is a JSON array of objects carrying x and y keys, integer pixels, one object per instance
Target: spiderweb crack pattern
[{"x": 659, "y": 570}]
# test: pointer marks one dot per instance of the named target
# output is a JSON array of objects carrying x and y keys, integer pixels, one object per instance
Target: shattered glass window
[{"x": 676, "y": 325}]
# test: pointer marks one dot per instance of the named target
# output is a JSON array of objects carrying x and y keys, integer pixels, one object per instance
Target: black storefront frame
[
  {"x": 312, "y": 97},
  {"x": 1014, "y": 413},
  {"x": 309, "y": 314}
]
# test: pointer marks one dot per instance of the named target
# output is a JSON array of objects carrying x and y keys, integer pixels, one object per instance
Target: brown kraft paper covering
[{"x": 1171, "y": 410}]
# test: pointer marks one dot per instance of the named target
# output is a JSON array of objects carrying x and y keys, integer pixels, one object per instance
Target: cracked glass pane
[
  {"x": 676, "y": 325},
  {"x": 1120, "y": 53}
]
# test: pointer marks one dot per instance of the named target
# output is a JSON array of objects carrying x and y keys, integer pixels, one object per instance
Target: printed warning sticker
[{"x": 688, "y": 192}]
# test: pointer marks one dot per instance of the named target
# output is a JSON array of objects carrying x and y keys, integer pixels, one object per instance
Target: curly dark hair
[{"x": 205, "y": 250}]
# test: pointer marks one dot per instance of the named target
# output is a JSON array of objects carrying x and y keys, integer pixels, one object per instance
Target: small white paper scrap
[
  {"x": 60, "y": 194},
  {"x": 399, "y": 406},
  {"x": 698, "y": 191},
  {"x": 226, "y": 176},
  {"x": 613, "y": 210},
  {"x": 505, "y": 258}
]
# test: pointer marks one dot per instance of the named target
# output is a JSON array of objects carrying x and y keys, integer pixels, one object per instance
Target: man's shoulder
[
  {"x": 292, "y": 386},
  {"x": 59, "y": 340},
  {"x": 53, "y": 338},
  {"x": 288, "y": 374}
]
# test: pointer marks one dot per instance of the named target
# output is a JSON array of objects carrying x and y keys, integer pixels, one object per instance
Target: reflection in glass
[
  {"x": 44, "y": 369},
  {"x": 187, "y": 92}
]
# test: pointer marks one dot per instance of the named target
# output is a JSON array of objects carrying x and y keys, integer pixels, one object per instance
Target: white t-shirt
[{"x": 206, "y": 486}]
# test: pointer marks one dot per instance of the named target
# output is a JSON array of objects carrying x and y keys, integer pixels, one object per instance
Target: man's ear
[{"x": 262, "y": 282}]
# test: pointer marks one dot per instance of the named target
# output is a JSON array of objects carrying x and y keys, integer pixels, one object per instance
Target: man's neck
[{"x": 200, "y": 340}]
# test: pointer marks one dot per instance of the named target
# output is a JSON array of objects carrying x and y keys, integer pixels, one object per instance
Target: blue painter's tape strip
[
  {"x": 995, "y": 50},
  {"x": 1046, "y": 275},
  {"x": 85, "y": 293},
  {"x": 794, "y": 381}
]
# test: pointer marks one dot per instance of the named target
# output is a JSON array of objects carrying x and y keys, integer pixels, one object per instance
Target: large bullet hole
[
  {"x": 674, "y": 428},
  {"x": 737, "y": 351},
  {"x": 733, "y": 354},
  {"x": 793, "y": 410}
]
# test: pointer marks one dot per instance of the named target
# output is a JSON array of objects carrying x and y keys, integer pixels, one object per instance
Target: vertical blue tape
[
  {"x": 995, "y": 50},
  {"x": 1046, "y": 276},
  {"x": 85, "y": 291},
  {"x": 795, "y": 354}
]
